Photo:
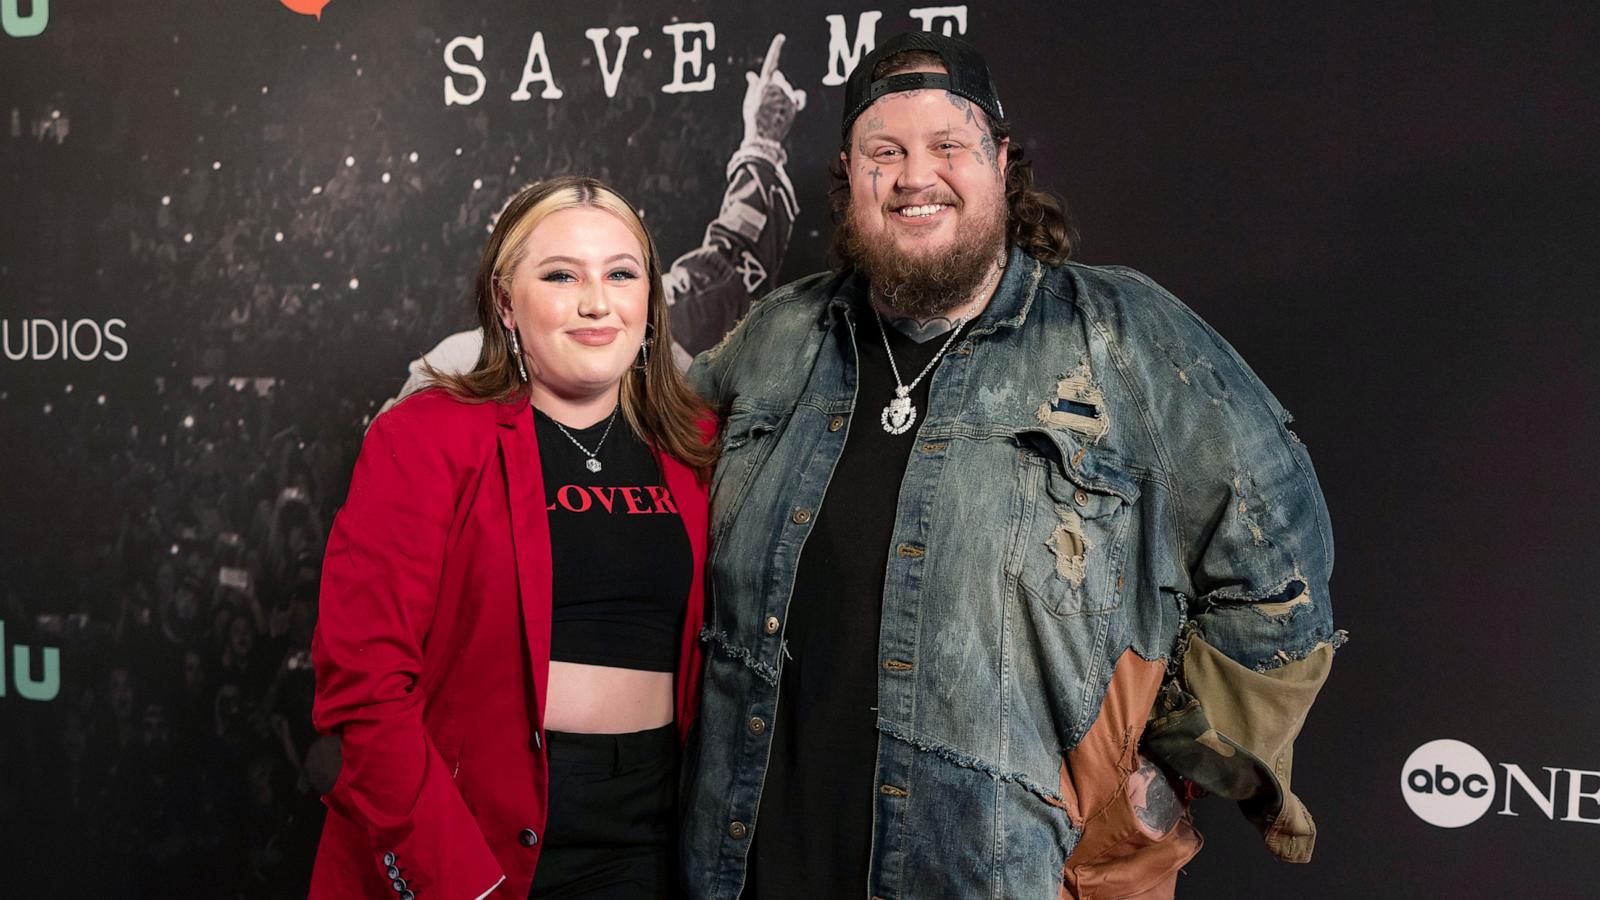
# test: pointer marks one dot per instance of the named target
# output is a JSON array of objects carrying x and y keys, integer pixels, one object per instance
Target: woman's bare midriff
[{"x": 587, "y": 699}]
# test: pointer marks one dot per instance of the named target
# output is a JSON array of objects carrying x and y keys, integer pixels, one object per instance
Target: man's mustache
[{"x": 900, "y": 201}]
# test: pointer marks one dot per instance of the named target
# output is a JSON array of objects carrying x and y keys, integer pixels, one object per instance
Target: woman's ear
[{"x": 502, "y": 304}]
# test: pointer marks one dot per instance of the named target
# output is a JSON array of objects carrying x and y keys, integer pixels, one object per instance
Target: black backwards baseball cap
[{"x": 965, "y": 74}]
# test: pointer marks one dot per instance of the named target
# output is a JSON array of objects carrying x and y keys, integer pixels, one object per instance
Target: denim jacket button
[
  {"x": 771, "y": 625},
  {"x": 1081, "y": 497},
  {"x": 801, "y": 516},
  {"x": 836, "y": 423},
  {"x": 736, "y": 830},
  {"x": 757, "y": 727}
]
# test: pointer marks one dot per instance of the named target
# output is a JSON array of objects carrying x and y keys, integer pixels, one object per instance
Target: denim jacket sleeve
[
  {"x": 759, "y": 355},
  {"x": 1257, "y": 552}
]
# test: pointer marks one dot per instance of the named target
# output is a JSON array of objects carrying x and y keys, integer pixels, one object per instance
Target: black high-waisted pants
[{"x": 612, "y": 829}]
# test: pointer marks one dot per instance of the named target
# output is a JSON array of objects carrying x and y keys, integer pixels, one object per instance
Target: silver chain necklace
[
  {"x": 593, "y": 464},
  {"x": 900, "y": 413}
]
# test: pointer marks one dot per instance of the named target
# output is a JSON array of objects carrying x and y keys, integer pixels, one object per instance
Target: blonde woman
[{"x": 512, "y": 592}]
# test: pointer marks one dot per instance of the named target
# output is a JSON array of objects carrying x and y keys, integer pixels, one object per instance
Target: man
[
  {"x": 1012, "y": 555},
  {"x": 709, "y": 287}
]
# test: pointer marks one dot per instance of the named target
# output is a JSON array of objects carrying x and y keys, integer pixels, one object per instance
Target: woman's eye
[
  {"x": 623, "y": 275},
  {"x": 557, "y": 276}
]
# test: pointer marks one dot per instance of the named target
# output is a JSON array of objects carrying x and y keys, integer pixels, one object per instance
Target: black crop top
[{"x": 621, "y": 556}]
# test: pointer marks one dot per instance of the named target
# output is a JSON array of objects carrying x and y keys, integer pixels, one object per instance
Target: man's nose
[{"x": 919, "y": 171}]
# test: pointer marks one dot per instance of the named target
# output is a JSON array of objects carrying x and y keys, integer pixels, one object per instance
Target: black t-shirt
[
  {"x": 621, "y": 557},
  {"x": 813, "y": 831}
]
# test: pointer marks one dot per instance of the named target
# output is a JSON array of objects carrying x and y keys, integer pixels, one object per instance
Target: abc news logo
[{"x": 1450, "y": 784}]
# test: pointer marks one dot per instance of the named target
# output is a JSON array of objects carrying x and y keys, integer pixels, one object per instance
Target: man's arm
[
  {"x": 1258, "y": 639},
  {"x": 456, "y": 354},
  {"x": 711, "y": 286}
]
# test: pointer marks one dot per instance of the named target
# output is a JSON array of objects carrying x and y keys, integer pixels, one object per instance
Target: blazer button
[
  {"x": 737, "y": 831},
  {"x": 407, "y": 895},
  {"x": 393, "y": 873},
  {"x": 389, "y": 858},
  {"x": 399, "y": 885},
  {"x": 528, "y": 837},
  {"x": 771, "y": 625}
]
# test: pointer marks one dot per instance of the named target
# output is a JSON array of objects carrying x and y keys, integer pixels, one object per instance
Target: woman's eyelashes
[{"x": 563, "y": 276}]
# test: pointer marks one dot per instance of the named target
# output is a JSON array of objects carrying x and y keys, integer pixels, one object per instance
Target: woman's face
[{"x": 579, "y": 300}]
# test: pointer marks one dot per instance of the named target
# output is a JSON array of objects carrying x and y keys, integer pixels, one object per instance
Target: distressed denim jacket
[{"x": 1100, "y": 488}]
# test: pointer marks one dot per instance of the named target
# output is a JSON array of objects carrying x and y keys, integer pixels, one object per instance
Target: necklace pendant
[
  {"x": 593, "y": 465},
  {"x": 899, "y": 415}
]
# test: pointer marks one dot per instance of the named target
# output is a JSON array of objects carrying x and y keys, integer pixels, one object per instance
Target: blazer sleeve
[{"x": 380, "y": 581}]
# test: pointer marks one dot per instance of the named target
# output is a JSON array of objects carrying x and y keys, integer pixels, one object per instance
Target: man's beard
[{"x": 941, "y": 281}]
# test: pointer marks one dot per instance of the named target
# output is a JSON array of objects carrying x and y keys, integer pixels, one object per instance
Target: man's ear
[
  {"x": 844, "y": 163},
  {"x": 1001, "y": 152}
]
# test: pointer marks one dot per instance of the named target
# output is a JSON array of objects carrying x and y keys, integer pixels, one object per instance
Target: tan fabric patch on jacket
[
  {"x": 1136, "y": 833},
  {"x": 1263, "y": 712}
]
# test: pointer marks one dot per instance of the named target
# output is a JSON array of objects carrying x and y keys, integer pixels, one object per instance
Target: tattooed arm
[{"x": 1156, "y": 807}]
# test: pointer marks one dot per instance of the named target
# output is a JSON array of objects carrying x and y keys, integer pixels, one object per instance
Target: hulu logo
[
  {"x": 24, "y": 26},
  {"x": 47, "y": 686}
]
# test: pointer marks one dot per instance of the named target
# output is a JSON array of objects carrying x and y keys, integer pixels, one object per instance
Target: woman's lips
[{"x": 594, "y": 337}]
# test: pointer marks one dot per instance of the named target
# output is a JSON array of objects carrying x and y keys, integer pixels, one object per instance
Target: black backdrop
[{"x": 1391, "y": 210}]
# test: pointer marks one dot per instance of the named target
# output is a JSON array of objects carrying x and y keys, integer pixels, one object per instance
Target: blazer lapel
[{"x": 530, "y": 539}]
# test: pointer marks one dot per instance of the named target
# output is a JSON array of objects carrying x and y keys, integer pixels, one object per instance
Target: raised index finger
[{"x": 770, "y": 64}]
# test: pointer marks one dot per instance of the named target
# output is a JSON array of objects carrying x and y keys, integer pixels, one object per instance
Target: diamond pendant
[
  {"x": 899, "y": 415},
  {"x": 592, "y": 465}
]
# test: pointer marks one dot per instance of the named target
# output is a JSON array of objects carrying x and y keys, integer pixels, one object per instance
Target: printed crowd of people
[{"x": 179, "y": 740}]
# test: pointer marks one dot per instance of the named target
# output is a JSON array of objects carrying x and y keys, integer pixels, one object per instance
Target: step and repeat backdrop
[{"x": 226, "y": 228}]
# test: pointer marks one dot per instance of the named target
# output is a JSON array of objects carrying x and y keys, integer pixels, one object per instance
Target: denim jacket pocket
[
  {"x": 748, "y": 437},
  {"x": 1068, "y": 549}
]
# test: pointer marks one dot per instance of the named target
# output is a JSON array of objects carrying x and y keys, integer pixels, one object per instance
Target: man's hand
[
  {"x": 1156, "y": 806},
  {"x": 770, "y": 102}
]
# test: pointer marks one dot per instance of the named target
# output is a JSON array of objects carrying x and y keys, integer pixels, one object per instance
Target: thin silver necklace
[
  {"x": 900, "y": 414},
  {"x": 593, "y": 464}
]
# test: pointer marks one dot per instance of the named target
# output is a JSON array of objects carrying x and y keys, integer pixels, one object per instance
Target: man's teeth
[{"x": 920, "y": 211}]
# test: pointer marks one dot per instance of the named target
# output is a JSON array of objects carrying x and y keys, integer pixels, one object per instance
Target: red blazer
[{"x": 432, "y": 650}]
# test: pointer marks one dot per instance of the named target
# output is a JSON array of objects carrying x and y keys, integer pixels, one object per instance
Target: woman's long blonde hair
[{"x": 657, "y": 401}]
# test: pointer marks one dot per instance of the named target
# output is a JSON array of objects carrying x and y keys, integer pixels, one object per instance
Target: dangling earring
[{"x": 516, "y": 351}]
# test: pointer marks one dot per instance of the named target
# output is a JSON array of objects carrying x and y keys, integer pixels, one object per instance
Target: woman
[{"x": 512, "y": 592}]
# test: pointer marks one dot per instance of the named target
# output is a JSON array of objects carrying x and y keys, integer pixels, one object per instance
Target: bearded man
[{"x": 1013, "y": 556}]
